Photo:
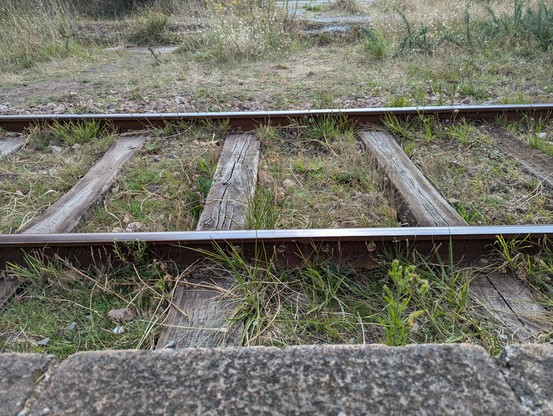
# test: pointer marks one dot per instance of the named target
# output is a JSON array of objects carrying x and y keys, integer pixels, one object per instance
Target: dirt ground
[{"x": 328, "y": 67}]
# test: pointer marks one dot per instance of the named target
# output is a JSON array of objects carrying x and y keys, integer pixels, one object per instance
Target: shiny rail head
[
  {"x": 363, "y": 247},
  {"x": 251, "y": 120},
  {"x": 295, "y": 235}
]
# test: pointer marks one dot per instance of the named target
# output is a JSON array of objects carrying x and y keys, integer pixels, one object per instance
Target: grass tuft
[
  {"x": 375, "y": 44},
  {"x": 345, "y": 6},
  {"x": 32, "y": 34},
  {"x": 533, "y": 25},
  {"x": 79, "y": 132},
  {"x": 70, "y": 307},
  {"x": 152, "y": 28},
  {"x": 263, "y": 211},
  {"x": 244, "y": 31},
  {"x": 531, "y": 262},
  {"x": 406, "y": 299}
]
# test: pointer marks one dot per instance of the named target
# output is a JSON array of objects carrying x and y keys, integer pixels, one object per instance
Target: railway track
[
  {"x": 434, "y": 228},
  {"x": 251, "y": 120}
]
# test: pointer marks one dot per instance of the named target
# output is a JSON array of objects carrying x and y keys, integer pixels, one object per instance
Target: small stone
[
  {"x": 118, "y": 330},
  {"x": 56, "y": 149},
  {"x": 133, "y": 226},
  {"x": 153, "y": 188},
  {"x": 121, "y": 315},
  {"x": 170, "y": 345},
  {"x": 542, "y": 135},
  {"x": 44, "y": 342},
  {"x": 45, "y": 411},
  {"x": 18, "y": 193},
  {"x": 72, "y": 326},
  {"x": 76, "y": 146},
  {"x": 288, "y": 183}
]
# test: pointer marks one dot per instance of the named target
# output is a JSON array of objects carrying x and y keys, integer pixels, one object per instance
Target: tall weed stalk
[{"x": 35, "y": 31}]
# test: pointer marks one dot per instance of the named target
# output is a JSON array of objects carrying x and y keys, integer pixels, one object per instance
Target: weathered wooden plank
[
  {"x": 11, "y": 144},
  {"x": 233, "y": 185},
  {"x": 511, "y": 303},
  {"x": 531, "y": 160},
  {"x": 206, "y": 321},
  {"x": 201, "y": 315},
  {"x": 418, "y": 202},
  {"x": 68, "y": 211}
]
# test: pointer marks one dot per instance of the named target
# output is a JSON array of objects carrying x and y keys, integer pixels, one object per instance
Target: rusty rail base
[
  {"x": 363, "y": 247},
  {"x": 246, "y": 121}
]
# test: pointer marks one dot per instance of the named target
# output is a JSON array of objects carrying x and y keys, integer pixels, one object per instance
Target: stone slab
[
  {"x": 19, "y": 376},
  {"x": 529, "y": 371},
  {"x": 336, "y": 380}
]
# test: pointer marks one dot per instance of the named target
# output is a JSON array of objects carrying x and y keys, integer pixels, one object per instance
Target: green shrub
[
  {"x": 375, "y": 44},
  {"x": 529, "y": 24},
  {"x": 530, "y": 28}
]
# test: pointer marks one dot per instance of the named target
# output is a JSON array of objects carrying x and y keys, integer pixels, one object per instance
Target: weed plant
[
  {"x": 407, "y": 299},
  {"x": 263, "y": 213},
  {"x": 375, "y": 43},
  {"x": 531, "y": 262},
  {"x": 70, "y": 306},
  {"x": 345, "y": 6},
  {"x": 73, "y": 133},
  {"x": 69, "y": 134},
  {"x": 34, "y": 32},
  {"x": 405, "y": 283},
  {"x": 532, "y": 25},
  {"x": 152, "y": 28},
  {"x": 476, "y": 28},
  {"x": 534, "y": 132},
  {"x": 243, "y": 30}
]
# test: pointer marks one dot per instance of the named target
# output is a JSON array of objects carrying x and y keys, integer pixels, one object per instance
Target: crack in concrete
[
  {"x": 504, "y": 373},
  {"x": 40, "y": 381}
]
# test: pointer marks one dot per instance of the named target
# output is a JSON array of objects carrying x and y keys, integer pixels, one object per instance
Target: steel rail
[
  {"x": 250, "y": 120},
  {"x": 359, "y": 246}
]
